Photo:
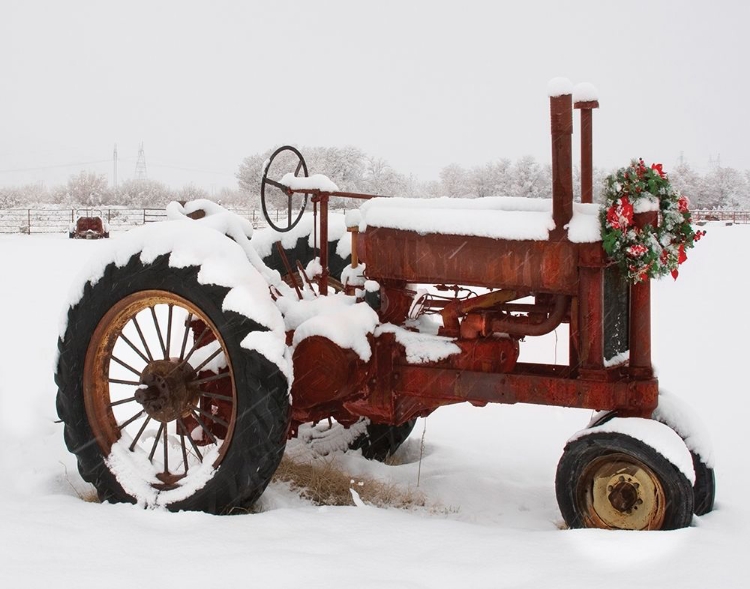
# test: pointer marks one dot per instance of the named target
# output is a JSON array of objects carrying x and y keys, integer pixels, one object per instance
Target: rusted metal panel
[
  {"x": 590, "y": 318},
  {"x": 547, "y": 266},
  {"x": 561, "y": 122},
  {"x": 587, "y": 157},
  {"x": 453, "y": 386},
  {"x": 325, "y": 372},
  {"x": 493, "y": 355},
  {"x": 640, "y": 314}
]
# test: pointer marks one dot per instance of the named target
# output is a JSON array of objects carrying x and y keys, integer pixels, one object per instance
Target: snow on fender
[
  {"x": 222, "y": 262},
  {"x": 658, "y": 436},
  {"x": 678, "y": 415},
  {"x": 626, "y": 474}
]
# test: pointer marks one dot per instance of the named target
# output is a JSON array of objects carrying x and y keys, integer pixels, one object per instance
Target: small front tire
[{"x": 611, "y": 480}]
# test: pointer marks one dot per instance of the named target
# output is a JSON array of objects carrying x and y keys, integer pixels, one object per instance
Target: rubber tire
[
  {"x": 263, "y": 410},
  {"x": 380, "y": 441},
  {"x": 303, "y": 252},
  {"x": 704, "y": 488},
  {"x": 579, "y": 453}
]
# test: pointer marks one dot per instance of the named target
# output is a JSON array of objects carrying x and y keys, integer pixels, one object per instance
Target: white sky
[{"x": 420, "y": 84}]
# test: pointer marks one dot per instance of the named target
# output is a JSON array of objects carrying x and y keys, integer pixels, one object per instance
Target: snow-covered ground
[{"x": 488, "y": 473}]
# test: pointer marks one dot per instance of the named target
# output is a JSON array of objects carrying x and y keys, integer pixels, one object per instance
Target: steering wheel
[{"x": 284, "y": 159}]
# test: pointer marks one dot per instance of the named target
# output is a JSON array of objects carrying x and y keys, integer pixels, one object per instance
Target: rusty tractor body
[
  {"x": 215, "y": 382},
  {"x": 534, "y": 286}
]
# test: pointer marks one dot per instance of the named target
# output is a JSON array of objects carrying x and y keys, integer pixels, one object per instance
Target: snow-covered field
[{"x": 489, "y": 473}]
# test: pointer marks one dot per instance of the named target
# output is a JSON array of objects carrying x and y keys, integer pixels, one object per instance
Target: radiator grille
[{"x": 616, "y": 312}]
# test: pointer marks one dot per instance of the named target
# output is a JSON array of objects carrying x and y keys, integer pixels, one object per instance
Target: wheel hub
[
  {"x": 165, "y": 391},
  {"x": 625, "y": 494}
]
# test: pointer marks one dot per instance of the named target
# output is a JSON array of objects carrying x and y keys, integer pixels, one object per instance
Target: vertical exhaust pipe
[
  {"x": 561, "y": 119},
  {"x": 585, "y": 98}
]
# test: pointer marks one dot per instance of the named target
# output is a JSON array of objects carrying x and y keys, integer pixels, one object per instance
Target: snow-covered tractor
[{"x": 194, "y": 348}]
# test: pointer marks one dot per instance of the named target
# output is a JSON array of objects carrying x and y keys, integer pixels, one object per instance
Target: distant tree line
[
  {"x": 91, "y": 190},
  {"x": 355, "y": 171}
]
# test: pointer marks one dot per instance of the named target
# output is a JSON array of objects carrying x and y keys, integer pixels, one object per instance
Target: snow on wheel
[
  {"x": 164, "y": 402},
  {"x": 675, "y": 414},
  {"x": 628, "y": 474}
]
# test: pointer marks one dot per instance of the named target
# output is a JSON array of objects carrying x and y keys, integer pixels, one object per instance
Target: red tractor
[
  {"x": 197, "y": 347},
  {"x": 88, "y": 228}
]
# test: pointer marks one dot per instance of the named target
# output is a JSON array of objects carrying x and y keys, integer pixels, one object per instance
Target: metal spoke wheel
[
  {"x": 614, "y": 481},
  {"x": 148, "y": 384},
  {"x": 162, "y": 404},
  {"x": 285, "y": 160}
]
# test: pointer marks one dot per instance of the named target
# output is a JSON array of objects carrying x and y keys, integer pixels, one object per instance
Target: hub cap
[{"x": 621, "y": 492}]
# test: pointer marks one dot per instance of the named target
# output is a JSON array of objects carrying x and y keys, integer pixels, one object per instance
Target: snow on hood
[{"x": 497, "y": 217}]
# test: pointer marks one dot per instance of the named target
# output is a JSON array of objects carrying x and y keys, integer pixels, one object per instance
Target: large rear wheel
[{"x": 161, "y": 403}]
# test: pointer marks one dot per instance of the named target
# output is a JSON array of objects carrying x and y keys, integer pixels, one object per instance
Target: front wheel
[
  {"x": 162, "y": 404},
  {"x": 611, "y": 480},
  {"x": 704, "y": 488}
]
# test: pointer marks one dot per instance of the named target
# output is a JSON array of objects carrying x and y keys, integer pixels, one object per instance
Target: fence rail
[
  {"x": 705, "y": 215},
  {"x": 49, "y": 220}
]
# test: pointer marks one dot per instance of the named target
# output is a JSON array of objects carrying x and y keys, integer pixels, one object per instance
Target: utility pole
[
  {"x": 114, "y": 163},
  {"x": 140, "y": 165}
]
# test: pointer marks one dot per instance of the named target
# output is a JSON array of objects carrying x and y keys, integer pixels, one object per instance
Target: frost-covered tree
[
  {"x": 144, "y": 194},
  {"x": 454, "y": 181},
  {"x": 480, "y": 181},
  {"x": 25, "y": 195},
  {"x": 500, "y": 172},
  {"x": 8, "y": 197},
  {"x": 687, "y": 181},
  {"x": 191, "y": 192},
  {"x": 232, "y": 197},
  {"x": 249, "y": 176},
  {"x": 348, "y": 167},
  {"x": 380, "y": 178},
  {"x": 529, "y": 178},
  {"x": 429, "y": 189},
  {"x": 87, "y": 189},
  {"x": 725, "y": 188}
]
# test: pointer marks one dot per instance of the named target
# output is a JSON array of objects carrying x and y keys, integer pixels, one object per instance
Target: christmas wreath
[{"x": 648, "y": 252}]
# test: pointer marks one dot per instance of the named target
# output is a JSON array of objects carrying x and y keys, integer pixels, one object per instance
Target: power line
[
  {"x": 54, "y": 166},
  {"x": 185, "y": 168}
]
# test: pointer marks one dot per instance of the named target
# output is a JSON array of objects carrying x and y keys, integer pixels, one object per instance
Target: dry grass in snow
[{"x": 323, "y": 482}]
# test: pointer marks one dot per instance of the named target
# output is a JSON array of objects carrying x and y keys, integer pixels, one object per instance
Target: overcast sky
[{"x": 420, "y": 84}]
